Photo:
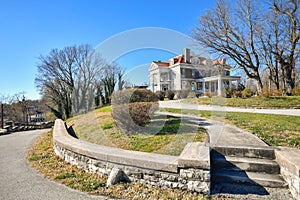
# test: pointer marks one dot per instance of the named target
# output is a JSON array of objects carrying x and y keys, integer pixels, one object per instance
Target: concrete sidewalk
[
  {"x": 222, "y": 134},
  {"x": 178, "y": 104}
]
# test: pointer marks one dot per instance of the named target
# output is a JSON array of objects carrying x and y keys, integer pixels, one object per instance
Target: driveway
[
  {"x": 20, "y": 181},
  {"x": 178, "y": 104}
]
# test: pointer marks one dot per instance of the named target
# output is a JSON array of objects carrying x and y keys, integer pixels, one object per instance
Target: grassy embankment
[{"x": 170, "y": 137}]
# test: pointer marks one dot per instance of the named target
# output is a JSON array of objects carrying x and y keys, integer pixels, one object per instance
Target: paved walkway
[
  {"x": 180, "y": 105},
  {"x": 222, "y": 134},
  {"x": 19, "y": 181}
]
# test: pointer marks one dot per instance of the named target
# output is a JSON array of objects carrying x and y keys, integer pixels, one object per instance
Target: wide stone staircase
[{"x": 244, "y": 170}]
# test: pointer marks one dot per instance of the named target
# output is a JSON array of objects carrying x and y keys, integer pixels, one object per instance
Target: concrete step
[
  {"x": 248, "y": 178},
  {"x": 232, "y": 188},
  {"x": 245, "y": 164},
  {"x": 249, "y": 152}
]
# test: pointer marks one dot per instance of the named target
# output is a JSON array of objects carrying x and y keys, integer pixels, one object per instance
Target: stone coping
[
  {"x": 3, "y": 131},
  {"x": 289, "y": 158},
  {"x": 195, "y": 155},
  {"x": 189, "y": 158}
]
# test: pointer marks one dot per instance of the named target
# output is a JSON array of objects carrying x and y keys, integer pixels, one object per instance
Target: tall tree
[
  {"x": 56, "y": 79},
  {"x": 233, "y": 32},
  {"x": 287, "y": 56},
  {"x": 72, "y": 80},
  {"x": 255, "y": 37},
  {"x": 89, "y": 70},
  {"x": 270, "y": 34}
]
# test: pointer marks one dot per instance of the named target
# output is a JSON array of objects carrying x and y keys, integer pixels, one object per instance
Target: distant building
[{"x": 189, "y": 72}]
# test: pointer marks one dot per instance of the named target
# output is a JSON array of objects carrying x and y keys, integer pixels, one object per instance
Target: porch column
[
  {"x": 203, "y": 87},
  {"x": 220, "y": 86},
  {"x": 158, "y": 82},
  {"x": 152, "y": 82}
]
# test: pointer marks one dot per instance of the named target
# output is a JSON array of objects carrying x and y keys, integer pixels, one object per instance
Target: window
[{"x": 199, "y": 86}]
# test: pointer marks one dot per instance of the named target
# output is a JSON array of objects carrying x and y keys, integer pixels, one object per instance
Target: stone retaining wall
[
  {"x": 289, "y": 161},
  {"x": 189, "y": 171}
]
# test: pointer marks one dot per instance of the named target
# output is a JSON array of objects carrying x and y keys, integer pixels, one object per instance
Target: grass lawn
[
  {"x": 275, "y": 130},
  {"x": 170, "y": 136},
  {"x": 261, "y": 102},
  {"x": 42, "y": 157}
]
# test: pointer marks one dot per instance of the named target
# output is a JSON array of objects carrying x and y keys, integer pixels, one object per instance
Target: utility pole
[{"x": 2, "y": 116}]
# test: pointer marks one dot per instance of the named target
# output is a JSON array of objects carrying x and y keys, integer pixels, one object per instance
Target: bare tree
[
  {"x": 111, "y": 74},
  {"x": 233, "y": 32},
  {"x": 288, "y": 53},
  {"x": 255, "y": 38},
  {"x": 58, "y": 77},
  {"x": 89, "y": 70},
  {"x": 270, "y": 34}
]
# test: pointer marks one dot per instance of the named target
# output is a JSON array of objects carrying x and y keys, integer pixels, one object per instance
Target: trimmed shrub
[
  {"x": 191, "y": 95},
  {"x": 121, "y": 97},
  {"x": 170, "y": 94},
  {"x": 133, "y": 109},
  {"x": 247, "y": 93},
  {"x": 296, "y": 92},
  {"x": 276, "y": 92},
  {"x": 208, "y": 94},
  {"x": 160, "y": 95},
  {"x": 228, "y": 92},
  {"x": 130, "y": 117},
  {"x": 143, "y": 95},
  {"x": 182, "y": 94},
  {"x": 131, "y": 96},
  {"x": 265, "y": 92}
]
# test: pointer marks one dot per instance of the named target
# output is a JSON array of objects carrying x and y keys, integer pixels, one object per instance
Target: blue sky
[{"x": 33, "y": 27}]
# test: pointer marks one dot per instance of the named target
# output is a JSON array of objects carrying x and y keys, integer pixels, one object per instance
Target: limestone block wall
[
  {"x": 289, "y": 161},
  {"x": 189, "y": 171}
]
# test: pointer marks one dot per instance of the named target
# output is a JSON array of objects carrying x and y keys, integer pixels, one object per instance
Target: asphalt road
[{"x": 19, "y": 181}]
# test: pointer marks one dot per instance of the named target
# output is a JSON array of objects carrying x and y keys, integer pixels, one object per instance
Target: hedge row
[{"x": 133, "y": 109}]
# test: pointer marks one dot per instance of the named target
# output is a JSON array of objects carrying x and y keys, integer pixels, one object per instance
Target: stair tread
[
  {"x": 233, "y": 188},
  {"x": 253, "y": 152},
  {"x": 249, "y": 175},
  {"x": 236, "y": 159}
]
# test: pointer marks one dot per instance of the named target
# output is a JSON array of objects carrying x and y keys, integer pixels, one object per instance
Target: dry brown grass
[{"x": 42, "y": 157}]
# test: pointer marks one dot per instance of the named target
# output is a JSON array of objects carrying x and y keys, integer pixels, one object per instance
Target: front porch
[{"x": 213, "y": 85}]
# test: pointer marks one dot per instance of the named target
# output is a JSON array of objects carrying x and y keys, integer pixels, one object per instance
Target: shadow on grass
[{"x": 176, "y": 125}]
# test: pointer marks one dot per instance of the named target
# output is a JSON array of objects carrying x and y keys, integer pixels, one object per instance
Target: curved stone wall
[{"x": 189, "y": 171}]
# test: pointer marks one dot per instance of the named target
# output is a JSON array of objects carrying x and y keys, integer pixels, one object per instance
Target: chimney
[
  {"x": 172, "y": 61},
  {"x": 186, "y": 54},
  {"x": 224, "y": 61}
]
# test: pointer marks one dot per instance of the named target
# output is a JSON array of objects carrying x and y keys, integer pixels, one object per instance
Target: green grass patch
[
  {"x": 107, "y": 126},
  {"x": 275, "y": 130},
  {"x": 253, "y": 102},
  {"x": 64, "y": 175},
  {"x": 34, "y": 158},
  {"x": 93, "y": 185},
  {"x": 104, "y": 109}
]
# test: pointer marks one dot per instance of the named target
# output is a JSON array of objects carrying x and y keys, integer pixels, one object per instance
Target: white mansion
[{"x": 189, "y": 72}]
